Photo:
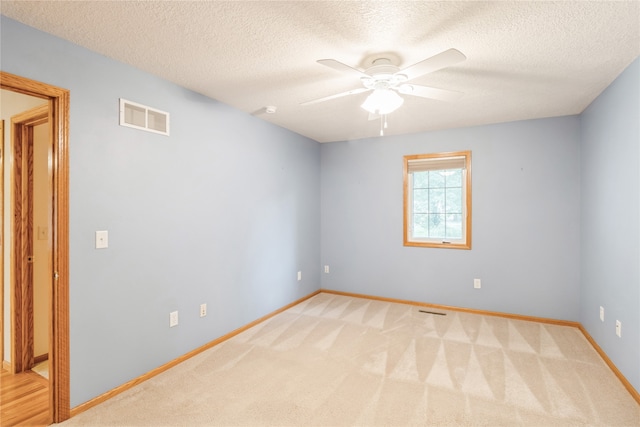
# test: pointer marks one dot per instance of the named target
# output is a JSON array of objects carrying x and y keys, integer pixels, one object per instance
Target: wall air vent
[{"x": 142, "y": 117}]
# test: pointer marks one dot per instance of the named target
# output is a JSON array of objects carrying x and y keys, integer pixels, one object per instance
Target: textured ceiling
[{"x": 524, "y": 59}]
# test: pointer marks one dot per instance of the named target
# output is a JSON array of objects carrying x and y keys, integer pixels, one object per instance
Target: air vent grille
[{"x": 140, "y": 116}]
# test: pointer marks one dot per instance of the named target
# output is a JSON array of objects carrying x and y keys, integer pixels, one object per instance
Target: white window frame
[{"x": 437, "y": 161}]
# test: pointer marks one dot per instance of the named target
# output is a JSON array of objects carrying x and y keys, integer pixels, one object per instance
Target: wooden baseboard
[
  {"x": 634, "y": 393},
  {"x": 41, "y": 358},
  {"x": 7, "y": 365},
  {"x": 126, "y": 386},
  {"x": 461, "y": 309},
  {"x": 611, "y": 365}
]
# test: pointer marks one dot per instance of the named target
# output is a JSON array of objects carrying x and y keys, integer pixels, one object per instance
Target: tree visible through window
[{"x": 437, "y": 200}]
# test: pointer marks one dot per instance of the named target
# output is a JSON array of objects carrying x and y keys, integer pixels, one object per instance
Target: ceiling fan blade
[
  {"x": 339, "y": 66},
  {"x": 338, "y": 95},
  {"x": 430, "y": 92},
  {"x": 435, "y": 63}
]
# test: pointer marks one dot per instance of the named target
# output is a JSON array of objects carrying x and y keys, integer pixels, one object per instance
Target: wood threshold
[{"x": 160, "y": 369}]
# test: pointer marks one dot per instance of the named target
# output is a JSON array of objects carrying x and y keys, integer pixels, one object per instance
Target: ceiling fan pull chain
[{"x": 383, "y": 124}]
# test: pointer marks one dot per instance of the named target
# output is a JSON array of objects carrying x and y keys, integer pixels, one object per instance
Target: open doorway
[{"x": 35, "y": 238}]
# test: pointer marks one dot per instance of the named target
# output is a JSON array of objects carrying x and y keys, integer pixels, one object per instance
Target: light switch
[
  {"x": 102, "y": 239},
  {"x": 173, "y": 319}
]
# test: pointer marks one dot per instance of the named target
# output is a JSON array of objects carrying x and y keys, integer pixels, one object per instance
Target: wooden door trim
[
  {"x": 2, "y": 243},
  {"x": 58, "y": 99},
  {"x": 32, "y": 117},
  {"x": 22, "y": 311}
]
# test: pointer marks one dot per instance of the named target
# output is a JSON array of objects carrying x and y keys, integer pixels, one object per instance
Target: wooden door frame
[
  {"x": 2, "y": 243},
  {"x": 22, "y": 186},
  {"x": 58, "y": 98}
]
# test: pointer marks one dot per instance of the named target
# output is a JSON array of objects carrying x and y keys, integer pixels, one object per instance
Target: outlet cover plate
[
  {"x": 173, "y": 319},
  {"x": 102, "y": 239}
]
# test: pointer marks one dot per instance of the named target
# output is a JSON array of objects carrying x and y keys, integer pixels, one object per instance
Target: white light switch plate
[
  {"x": 173, "y": 319},
  {"x": 102, "y": 239}
]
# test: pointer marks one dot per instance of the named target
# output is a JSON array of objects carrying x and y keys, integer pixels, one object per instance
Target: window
[{"x": 437, "y": 200}]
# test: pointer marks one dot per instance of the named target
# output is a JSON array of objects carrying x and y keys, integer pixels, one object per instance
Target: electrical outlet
[
  {"x": 173, "y": 319},
  {"x": 203, "y": 310},
  {"x": 601, "y": 313},
  {"x": 326, "y": 269},
  {"x": 102, "y": 239},
  {"x": 477, "y": 284},
  {"x": 619, "y": 328},
  {"x": 299, "y": 275}
]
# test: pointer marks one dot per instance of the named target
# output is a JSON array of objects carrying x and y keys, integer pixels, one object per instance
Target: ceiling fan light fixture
[{"x": 382, "y": 101}]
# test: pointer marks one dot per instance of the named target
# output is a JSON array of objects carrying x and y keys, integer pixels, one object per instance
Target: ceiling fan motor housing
[{"x": 383, "y": 75}]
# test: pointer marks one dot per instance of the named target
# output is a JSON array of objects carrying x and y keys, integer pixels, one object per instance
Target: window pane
[
  {"x": 437, "y": 226},
  {"x": 436, "y": 179},
  {"x": 420, "y": 225},
  {"x": 454, "y": 200},
  {"x": 454, "y": 226},
  {"x": 421, "y": 201},
  {"x": 420, "y": 179},
  {"x": 436, "y": 200},
  {"x": 453, "y": 177}
]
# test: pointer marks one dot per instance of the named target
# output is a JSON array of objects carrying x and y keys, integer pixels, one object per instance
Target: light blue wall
[
  {"x": 229, "y": 207},
  {"x": 526, "y": 242},
  {"x": 610, "y": 258},
  {"x": 225, "y": 211}
]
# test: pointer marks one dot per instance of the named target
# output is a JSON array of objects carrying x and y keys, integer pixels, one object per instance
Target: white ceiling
[{"x": 524, "y": 59}]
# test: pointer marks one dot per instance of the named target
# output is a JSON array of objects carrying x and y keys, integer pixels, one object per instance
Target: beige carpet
[{"x": 335, "y": 360}]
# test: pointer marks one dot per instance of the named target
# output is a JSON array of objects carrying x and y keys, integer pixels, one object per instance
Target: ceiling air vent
[{"x": 142, "y": 117}]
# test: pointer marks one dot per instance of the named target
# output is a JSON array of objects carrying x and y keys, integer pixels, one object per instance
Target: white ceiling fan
[{"x": 387, "y": 81}]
